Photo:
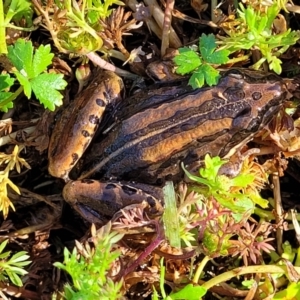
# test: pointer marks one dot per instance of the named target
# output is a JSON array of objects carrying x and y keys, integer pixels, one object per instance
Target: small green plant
[
  {"x": 13, "y": 11},
  {"x": 201, "y": 63},
  {"x": 190, "y": 291},
  {"x": 74, "y": 27},
  {"x": 80, "y": 28},
  {"x": 89, "y": 268},
  {"x": 255, "y": 32},
  {"x": 30, "y": 67},
  {"x": 291, "y": 292},
  {"x": 219, "y": 208},
  {"x": 220, "y": 187},
  {"x": 12, "y": 268},
  {"x": 6, "y": 97}
]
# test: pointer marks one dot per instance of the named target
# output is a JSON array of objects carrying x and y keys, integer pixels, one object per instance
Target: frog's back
[{"x": 150, "y": 143}]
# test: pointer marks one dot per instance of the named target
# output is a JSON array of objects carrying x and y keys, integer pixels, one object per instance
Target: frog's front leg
[{"x": 97, "y": 201}]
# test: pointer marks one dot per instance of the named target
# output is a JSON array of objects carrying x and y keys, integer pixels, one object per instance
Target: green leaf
[
  {"x": 17, "y": 7},
  {"x": 29, "y": 68},
  {"x": 242, "y": 180},
  {"x": 89, "y": 273},
  {"x": 170, "y": 216},
  {"x": 29, "y": 65},
  {"x": 25, "y": 83},
  {"x": 212, "y": 166},
  {"x": 275, "y": 64},
  {"x": 5, "y": 97},
  {"x": 16, "y": 270},
  {"x": 251, "y": 18},
  {"x": 3, "y": 256},
  {"x": 207, "y": 46},
  {"x": 5, "y": 103},
  {"x": 212, "y": 241},
  {"x": 26, "y": 15},
  {"x": 272, "y": 13},
  {"x": 204, "y": 74},
  {"x": 3, "y": 245},
  {"x": 15, "y": 279},
  {"x": 42, "y": 59},
  {"x": 187, "y": 61},
  {"x": 193, "y": 177},
  {"x": 257, "y": 199},
  {"x": 45, "y": 88},
  {"x": 219, "y": 57},
  {"x": 5, "y": 82},
  {"x": 197, "y": 80},
  {"x": 241, "y": 206},
  {"x": 20, "y": 55},
  {"x": 19, "y": 258},
  {"x": 261, "y": 26},
  {"x": 292, "y": 292},
  {"x": 212, "y": 75},
  {"x": 190, "y": 292}
]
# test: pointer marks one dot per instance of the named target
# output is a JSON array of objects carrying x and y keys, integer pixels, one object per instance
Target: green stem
[
  {"x": 21, "y": 28},
  {"x": 3, "y": 46},
  {"x": 200, "y": 268},
  {"x": 214, "y": 4},
  {"x": 12, "y": 97},
  {"x": 297, "y": 262},
  {"x": 264, "y": 269},
  {"x": 117, "y": 54},
  {"x": 162, "y": 278},
  {"x": 238, "y": 59},
  {"x": 264, "y": 214}
]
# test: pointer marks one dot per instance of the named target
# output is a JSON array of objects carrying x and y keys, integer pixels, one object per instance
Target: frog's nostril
[{"x": 256, "y": 95}]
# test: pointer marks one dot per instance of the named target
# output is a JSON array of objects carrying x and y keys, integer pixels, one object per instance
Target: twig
[
  {"x": 8, "y": 138},
  {"x": 158, "y": 15},
  {"x": 166, "y": 26},
  {"x": 279, "y": 211},
  {"x": 96, "y": 59}
]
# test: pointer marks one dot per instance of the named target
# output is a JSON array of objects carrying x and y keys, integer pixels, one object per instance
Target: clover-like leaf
[
  {"x": 207, "y": 46},
  {"x": 187, "y": 61},
  {"x": 47, "y": 93},
  {"x": 204, "y": 74},
  {"x": 31, "y": 66}
]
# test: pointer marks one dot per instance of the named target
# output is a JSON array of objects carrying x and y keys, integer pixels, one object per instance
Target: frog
[{"x": 147, "y": 136}]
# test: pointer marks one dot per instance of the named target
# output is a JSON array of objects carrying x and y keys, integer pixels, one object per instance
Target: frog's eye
[{"x": 234, "y": 94}]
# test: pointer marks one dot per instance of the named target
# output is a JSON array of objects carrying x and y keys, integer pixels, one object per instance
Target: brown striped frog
[{"x": 147, "y": 136}]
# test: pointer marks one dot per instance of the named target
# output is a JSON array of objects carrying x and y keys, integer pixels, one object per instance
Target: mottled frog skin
[
  {"x": 153, "y": 131},
  {"x": 78, "y": 123}
]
